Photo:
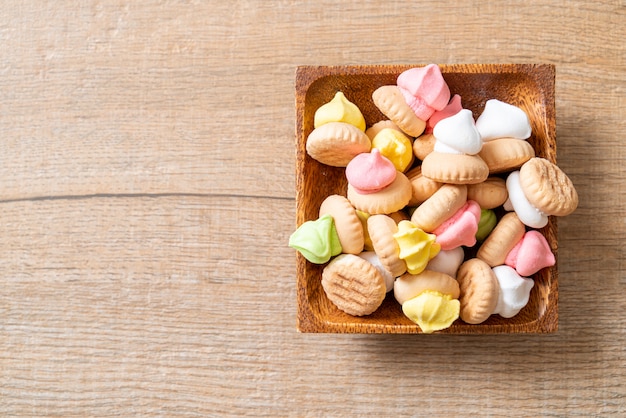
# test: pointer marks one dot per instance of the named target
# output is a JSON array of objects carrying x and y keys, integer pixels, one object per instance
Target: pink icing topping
[
  {"x": 424, "y": 90},
  {"x": 460, "y": 229},
  {"x": 530, "y": 254},
  {"x": 370, "y": 172},
  {"x": 419, "y": 107},
  {"x": 451, "y": 109}
]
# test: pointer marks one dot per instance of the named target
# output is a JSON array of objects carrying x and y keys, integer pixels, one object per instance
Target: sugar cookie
[
  {"x": 353, "y": 284},
  {"x": 479, "y": 291},
  {"x": 424, "y": 145},
  {"x": 454, "y": 168},
  {"x": 375, "y": 261},
  {"x": 422, "y": 186},
  {"x": 390, "y": 199},
  {"x": 440, "y": 206},
  {"x": 336, "y": 143},
  {"x": 408, "y": 285},
  {"x": 502, "y": 239},
  {"x": 348, "y": 225},
  {"x": 389, "y": 100},
  {"x": 505, "y": 154},
  {"x": 489, "y": 194},
  {"x": 547, "y": 187},
  {"x": 381, "y": 229}
]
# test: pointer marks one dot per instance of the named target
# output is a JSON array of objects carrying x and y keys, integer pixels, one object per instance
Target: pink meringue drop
[
  {"x": 370, "y": 172},
  {"x": 451, "y": 109},
  {"x": 530, "y": 254},
  {"x": 460, "y": 229},
  {"x": 424, "y": 90}
]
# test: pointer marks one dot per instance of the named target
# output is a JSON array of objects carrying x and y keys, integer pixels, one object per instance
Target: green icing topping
[
  {"x": 317, "y": 240},
  {"x": 486, "y": 224}
]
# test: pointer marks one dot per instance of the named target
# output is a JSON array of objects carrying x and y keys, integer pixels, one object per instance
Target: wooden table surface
[{"x": 147, "y": 198}]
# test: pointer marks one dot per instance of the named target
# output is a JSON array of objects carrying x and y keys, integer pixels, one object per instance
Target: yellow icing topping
[
  {"x": 339, "y": 109},
  {"x": 432, "y": 311},
  {"x": 396, "y": 146},
  {"x": 417, "y": 247},
  {"x": 363, "y": 216}
]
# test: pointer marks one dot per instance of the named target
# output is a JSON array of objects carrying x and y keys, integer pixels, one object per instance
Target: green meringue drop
[
  {"x": 317, "y": 240},
  {"x": 486, "y": 224}
]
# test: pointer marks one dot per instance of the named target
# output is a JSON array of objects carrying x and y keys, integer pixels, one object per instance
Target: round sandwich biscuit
[
  {"x": 479, "y": 291},
  {"x": 423, "y": 145},
  {"x": 439, "y": 207},
  {"x": 353, "y": 284},
  {"x": 381, "y": 229},
  {"x": 454, "y": 168},
  {"x": 547, "y": 187},
  {"x": 489, "y": 194},
  {"x": 387, "y": 200},
  {"x": 505, "y": 154},
  {"x": 501, "y": 240},
  {"x": 347, "y": 223},
  {"x": 410, "y": 285},
  {"x": 337, "y": 143},
  {"x": 389, "y": 100},
  {"x": 423, "y": 187}
]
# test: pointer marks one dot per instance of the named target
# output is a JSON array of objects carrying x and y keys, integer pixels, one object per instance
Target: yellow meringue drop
[
  {"x": 339, "y": 109},
  {"x": 417, "y": 247},
  {"x": 396, "y": 146},
  {"x": 432, "y": 310}
]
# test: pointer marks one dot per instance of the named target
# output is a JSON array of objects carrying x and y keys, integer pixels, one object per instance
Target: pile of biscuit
[{"x": 402, "y": 225}]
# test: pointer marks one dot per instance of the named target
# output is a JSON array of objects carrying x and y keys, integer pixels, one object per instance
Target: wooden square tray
[{"x": 530, "y": 87}]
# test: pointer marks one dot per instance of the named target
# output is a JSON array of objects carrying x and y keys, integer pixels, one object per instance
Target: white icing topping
[
  {"x": 375, "y": 261},
  {"x": 459, "y": 133},
  {"x": 441, "y": 147},
  {"x": 526, "y": 212},
  {"x": 447, "y": 262},
  {"x": 500, "y": 120},
  {"x": 514, "y": 291}
]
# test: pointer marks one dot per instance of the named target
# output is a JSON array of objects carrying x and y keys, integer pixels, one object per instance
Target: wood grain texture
[{"x": 147, "y": 194}]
